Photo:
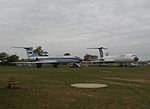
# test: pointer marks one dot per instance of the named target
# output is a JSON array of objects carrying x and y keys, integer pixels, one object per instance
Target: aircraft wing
[{"x": 37, "y": 62}]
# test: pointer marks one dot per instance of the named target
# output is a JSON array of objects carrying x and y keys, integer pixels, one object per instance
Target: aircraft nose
[
  {"x": 136, "y": 59},
  {"x": 80, "y": 60}
]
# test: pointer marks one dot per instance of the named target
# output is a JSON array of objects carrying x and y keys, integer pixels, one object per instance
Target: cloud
[{"x": 74, "y": 25}]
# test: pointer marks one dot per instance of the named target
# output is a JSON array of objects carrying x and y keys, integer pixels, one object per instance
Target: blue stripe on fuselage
[
  {"x": 77, "y": 59},
  {"x": 57, "y": 58}
]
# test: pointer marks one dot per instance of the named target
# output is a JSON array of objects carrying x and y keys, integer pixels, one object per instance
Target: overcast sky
[{"x": 61, "y": 26}]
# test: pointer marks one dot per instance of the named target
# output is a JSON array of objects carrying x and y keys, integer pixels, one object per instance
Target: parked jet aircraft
[
  {"x": 34, "y": 58},
  {"x": 126, "y": 59}
]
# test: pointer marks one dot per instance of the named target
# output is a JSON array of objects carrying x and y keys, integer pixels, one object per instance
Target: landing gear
[
  {"x": 39, "y": 65},
  {"x": 75, "y": 65},
  {"x": 55, "y": 65}
]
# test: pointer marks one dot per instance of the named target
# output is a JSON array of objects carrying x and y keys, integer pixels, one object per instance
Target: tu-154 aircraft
[
  {"x": 126, "y": 59},
  {"x": 34, "y": 58}
]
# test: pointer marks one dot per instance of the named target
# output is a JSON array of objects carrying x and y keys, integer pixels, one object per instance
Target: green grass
[{"x": 49, "y": 88}]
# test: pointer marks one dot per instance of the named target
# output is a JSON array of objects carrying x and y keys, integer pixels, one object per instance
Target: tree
[
  {"x": 40, "y": 51},
  {"x": 3, "y": 57},
  {"x": 89, "y": 57},
  {"x": 6, "y": 59},
  {"x": 12, "y": 58}
]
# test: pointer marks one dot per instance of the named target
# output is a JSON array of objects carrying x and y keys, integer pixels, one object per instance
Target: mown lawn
[{"x": 49, "y": 88}]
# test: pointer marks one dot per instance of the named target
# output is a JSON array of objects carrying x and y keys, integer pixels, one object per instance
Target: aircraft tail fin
[
  {"x": 29, "y": 50},
  {"x": 100, "y": 51}
]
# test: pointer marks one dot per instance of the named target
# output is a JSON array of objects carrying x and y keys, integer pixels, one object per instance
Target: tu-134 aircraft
[
  {"x": 126, "y": 59},
  {"x": 34, "y": 58}
]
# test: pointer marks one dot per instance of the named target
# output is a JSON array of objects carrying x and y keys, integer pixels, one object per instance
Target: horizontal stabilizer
[
  {"x": 24, "y": 47},
  {"x": 97, "y": 48}
]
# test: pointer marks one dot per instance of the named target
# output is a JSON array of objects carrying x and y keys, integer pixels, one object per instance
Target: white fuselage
[
  {"x": 121, "y": 58},
  {"x": 58, "y": 59}
]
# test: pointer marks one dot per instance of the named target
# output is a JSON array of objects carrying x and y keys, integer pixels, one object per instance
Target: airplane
[
  {"x": 34, "y": 58},
  {"x": 126, "y": 59}
]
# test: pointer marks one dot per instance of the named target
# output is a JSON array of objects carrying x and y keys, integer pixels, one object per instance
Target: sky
[{"x": 59, "y": 26}]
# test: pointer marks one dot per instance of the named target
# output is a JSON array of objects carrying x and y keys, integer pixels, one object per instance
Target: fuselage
[
  {"x": 58, "y": 59},
  {"x": 121, "y": 58}
]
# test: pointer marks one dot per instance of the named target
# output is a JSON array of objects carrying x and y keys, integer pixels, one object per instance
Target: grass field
[{"x": 49, "y": 88}]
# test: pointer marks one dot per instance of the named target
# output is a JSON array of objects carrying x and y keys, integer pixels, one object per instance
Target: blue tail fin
[{"x": 30, "y": 52}]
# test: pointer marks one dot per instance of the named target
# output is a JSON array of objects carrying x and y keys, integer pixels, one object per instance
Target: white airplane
[
  {"x": 34, "y": 58},
  {"x": 127, "y": 59}
]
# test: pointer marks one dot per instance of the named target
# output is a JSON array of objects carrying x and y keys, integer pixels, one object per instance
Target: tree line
[{"x": 6, "y": 59}]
